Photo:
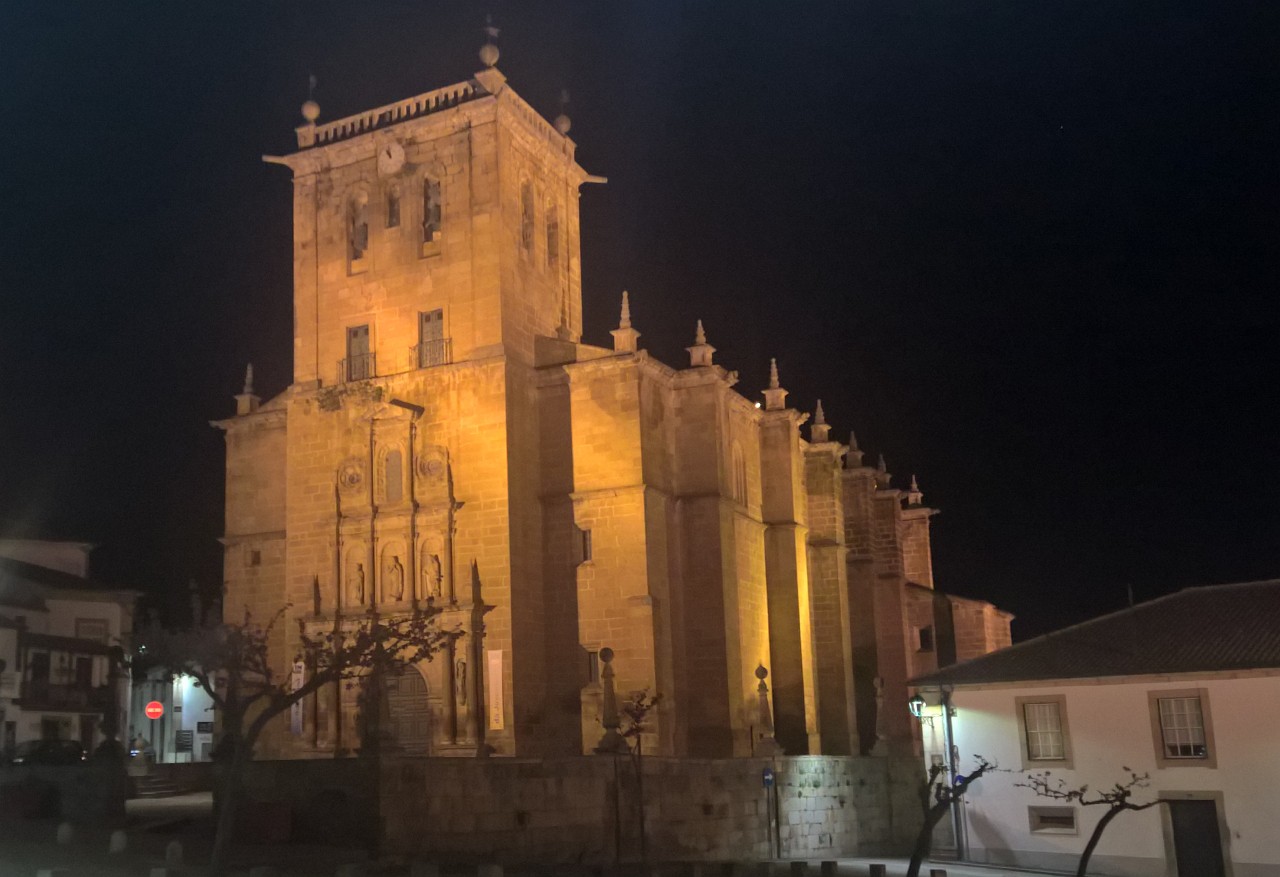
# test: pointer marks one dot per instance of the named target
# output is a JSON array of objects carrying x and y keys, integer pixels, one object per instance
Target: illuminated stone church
[{"x": 450, "y": 438}]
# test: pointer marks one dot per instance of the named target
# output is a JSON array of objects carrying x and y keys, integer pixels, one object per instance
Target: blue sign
[{"x": 767, "y": 777}]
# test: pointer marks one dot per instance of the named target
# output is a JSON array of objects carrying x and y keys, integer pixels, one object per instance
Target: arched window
[
  {"x": 553, "y": 236},
  {"x": 430, "y": 210},
  {"x": 526, "y": 216},
  {"x": 358, "y": 227}
]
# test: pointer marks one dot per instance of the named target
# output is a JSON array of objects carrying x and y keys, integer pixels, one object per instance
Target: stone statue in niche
[
  {"x": 434, "y": 574},
  {"x": 357, "y": 584},
  {"x": 460, "y": 681},
  {"x": 395, "y": 579}
]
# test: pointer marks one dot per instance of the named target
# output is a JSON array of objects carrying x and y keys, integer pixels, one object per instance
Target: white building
[
  {"x": 1185, "y": 688},
  {"x": 183, "y": 730},
  {"x": 57, "y": 631}
]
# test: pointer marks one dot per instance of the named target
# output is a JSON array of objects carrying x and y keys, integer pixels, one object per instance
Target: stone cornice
[{"x": 240, "y": 538}]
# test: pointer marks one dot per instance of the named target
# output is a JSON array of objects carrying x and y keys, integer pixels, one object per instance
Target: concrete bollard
[
  {"x": 799, "y": 869},
  {"x": 879, "y": 871},
  {"x": 828, "y": 869},
  {"x": 173, "y": 854},
  {"x": 488, "y": 871},
  {"x": 424, "y": 869},
  {"x": 54, "y": 872},
  {"x": 119, "y": 842},
  {"x": 65, "y": 833},
  {"x": 263, "y": 871},
  {"x": 164, "y": 872},
  {"x": 937, "y": 872}
]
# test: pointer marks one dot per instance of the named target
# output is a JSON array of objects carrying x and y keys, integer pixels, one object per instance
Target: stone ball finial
[
  {"x": 311, "y": 111},
  {"x": 606, "y": 655},
  {"x": 761, "y": 673},
  {"x": 563, "y": 123}
]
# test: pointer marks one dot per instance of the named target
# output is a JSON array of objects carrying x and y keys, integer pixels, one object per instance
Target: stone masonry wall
[{"x": 588, "y": 809}]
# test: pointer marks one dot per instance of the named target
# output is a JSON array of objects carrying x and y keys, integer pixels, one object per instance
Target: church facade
[{"x": 449, "y": 439}]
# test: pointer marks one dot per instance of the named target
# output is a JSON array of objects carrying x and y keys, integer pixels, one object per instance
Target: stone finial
[
  {"x": 765, "y": 743},
  {"x": 563, "y": 122},
  {"x": 701, "y": 353},
  {"x": 625, "y": 337},
  {"x": 819, "y": 431},
  {"x": 246, "y": 401},
  {"x": 775, "y": 398},
  {"x": 854, "y": 458},
  {"x": 915, "y": 497},
  {"x": 881, "y": 746},
  {"x": 489, "y": 51},
  {"x": 612, "y": 743},
  {"x": 883, "y": 478}
]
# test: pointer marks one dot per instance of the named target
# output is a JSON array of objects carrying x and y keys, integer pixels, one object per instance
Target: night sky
[{"x": 1026, "y": 250}]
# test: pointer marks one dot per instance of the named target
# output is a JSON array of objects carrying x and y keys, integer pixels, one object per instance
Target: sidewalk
[{"x": 898, "y": 867}]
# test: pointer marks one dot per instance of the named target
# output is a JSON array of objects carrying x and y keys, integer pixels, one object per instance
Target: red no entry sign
[{"x": 154, "y": 710}]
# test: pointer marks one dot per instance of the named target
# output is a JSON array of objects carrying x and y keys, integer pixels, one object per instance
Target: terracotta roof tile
[{"x": 1212, "y": 628}]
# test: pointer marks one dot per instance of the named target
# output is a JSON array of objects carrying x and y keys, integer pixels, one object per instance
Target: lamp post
[{"x": 917, "y": 705}]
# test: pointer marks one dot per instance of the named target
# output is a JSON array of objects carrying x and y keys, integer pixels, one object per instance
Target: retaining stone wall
[{"x": 587, "y": 809}]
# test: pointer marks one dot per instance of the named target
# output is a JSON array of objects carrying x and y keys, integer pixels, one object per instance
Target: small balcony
[
  {"x": 40, "y": 695},
  {"x": 357, "y": 367},
  {"x": 437, "y": 351}
]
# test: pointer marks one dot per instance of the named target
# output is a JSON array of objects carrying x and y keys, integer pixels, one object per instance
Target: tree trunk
[
  {"x": 227, "y": 814},
  {"x": 1094, "y": 838},
  {"x": 924, "y": 840}
]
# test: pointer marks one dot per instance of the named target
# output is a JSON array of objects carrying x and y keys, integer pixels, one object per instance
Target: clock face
[{"x": 390, "y": 158}]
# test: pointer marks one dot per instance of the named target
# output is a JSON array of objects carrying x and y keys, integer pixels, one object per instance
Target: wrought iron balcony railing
[
  {"x": 438, "y": 351},
  {"x": 358, "y": 367},
  {"x": 54, "y": 696}
]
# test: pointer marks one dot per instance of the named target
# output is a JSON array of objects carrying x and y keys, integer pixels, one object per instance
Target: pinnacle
[
  {"x": 773, "y": 374},
  {"x": 699, "y": 335},
  {"x": 625, "y": 321},
  {"x": 248, "y": 379},
  {"x": 819, "y": 419}
]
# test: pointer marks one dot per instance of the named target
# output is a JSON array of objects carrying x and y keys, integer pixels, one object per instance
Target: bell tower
[{"x": 437, "y": 229}]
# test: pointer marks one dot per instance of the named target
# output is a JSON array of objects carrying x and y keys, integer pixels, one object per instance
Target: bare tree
[
  {"x": 1116, "y": 799},
  {"x": 634, "y": 713},
  {"x": 232, "y": 662},
  {"x": 936, "y": 799}
]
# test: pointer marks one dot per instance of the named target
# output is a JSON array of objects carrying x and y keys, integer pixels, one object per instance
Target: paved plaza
[{"x": 26, "y": 847}]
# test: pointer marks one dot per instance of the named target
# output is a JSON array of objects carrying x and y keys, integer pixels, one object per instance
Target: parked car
[{"x": 48, "y": 752}]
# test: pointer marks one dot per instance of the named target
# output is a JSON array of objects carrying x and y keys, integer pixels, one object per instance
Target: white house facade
[
  {"x": 1184, "y": 690},
  {"x": 58, "y": 629}
]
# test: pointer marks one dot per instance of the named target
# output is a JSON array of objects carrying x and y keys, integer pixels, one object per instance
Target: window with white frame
[
  {"x": 1042, "y": 723},
  {"x": 1182, "y": 728}
]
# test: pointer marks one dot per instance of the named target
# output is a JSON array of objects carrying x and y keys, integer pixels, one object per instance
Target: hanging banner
[
  {"x": 493, "y": 674},
  {"x": 295, "y": 711}
]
